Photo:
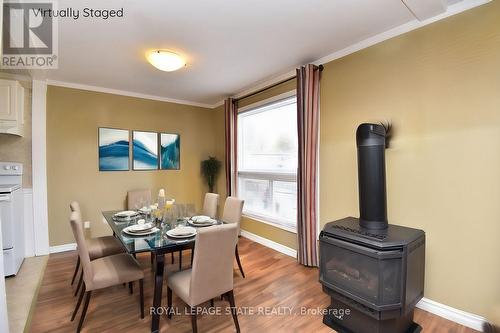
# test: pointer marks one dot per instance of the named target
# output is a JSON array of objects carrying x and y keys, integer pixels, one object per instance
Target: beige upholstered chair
[
  {"x": 98, "y": 247},
  {"x": 232, "y": 214},
  {"x": 137, "y": 199},
  {"x": 210, "y": 205},
  {"x": 211, "y": 274},
  {"x": 209, "y": 209},
  {"x": 103, "y": 272}
]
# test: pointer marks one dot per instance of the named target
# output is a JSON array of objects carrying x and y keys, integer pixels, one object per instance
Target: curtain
[
  {"x": 231, "y": 116},
  {"x": 308, "y": 78}
]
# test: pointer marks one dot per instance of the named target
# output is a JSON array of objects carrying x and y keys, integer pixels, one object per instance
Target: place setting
[
  {"x": 125, "y": 216},
  {"x": 141, "y": 228},
  {"x": 181, "y": 232},
  {"x": 201, "y": 221}
]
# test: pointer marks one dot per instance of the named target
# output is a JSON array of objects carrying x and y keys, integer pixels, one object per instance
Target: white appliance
[
  {"x": 4, "y": 318},
  {"x": 12, "y": 216}
]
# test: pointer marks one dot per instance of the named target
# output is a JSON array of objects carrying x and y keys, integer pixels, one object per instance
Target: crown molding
[
  {"x": 126, "y": 93},
  {"x": 402, "y": 29},
  {"x": 397, "y": 31}
]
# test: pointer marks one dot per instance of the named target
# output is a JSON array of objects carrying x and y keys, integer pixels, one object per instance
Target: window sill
[{"x": 273, "y": 224}]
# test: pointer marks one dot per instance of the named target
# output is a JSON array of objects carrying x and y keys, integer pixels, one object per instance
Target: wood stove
[{"x": 372, "y": 268}]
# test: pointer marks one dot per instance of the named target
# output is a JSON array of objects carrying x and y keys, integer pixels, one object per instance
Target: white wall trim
[
  {"x": 269, "y": 243},
  {"x": 126, "y": 93},
  {"x": 29, "y": 234},
  {"x": 63, "y": 248},
  {"x": 399, "y": 30},
  {"x": 39, "y": 169},
  {"x": 458, "y": 316}
]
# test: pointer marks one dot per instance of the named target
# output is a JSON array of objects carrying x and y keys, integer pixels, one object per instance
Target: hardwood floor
[{"x": 272, "y": 280}]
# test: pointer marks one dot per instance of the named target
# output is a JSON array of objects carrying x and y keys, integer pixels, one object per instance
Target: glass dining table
[{"x": 157, "y": 243}]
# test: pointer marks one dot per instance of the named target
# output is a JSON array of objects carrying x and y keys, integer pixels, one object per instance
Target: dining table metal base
[{"x": 155, "y": 316}]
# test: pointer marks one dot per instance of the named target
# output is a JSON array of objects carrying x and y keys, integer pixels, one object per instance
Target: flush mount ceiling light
[{"x": 165, "y": 60}]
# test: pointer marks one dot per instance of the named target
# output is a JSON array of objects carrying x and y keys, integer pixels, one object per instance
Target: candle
[{"x": 161, "y": 199}]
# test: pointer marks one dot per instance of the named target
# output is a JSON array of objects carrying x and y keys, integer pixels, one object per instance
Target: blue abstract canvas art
[
  {"x": 113, "y": 149},
  {"x": 145, "y": 150},
  {"x": 170, "y": 151}
]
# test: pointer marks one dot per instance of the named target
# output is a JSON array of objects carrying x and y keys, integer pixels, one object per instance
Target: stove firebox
[{"x": 367, "y": 266}]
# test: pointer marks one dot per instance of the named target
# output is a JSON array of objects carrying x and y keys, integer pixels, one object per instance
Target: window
[{"x": 267, "y": 162}]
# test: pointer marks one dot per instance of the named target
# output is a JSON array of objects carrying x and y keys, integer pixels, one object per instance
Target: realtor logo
[{"x": 29, "y": 38}]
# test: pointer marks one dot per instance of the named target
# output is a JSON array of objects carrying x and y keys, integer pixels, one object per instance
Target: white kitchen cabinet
[{"x": 11, "y": 107}]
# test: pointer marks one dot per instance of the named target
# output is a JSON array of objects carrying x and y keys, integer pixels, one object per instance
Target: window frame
[{"x": 265, "y": 175}]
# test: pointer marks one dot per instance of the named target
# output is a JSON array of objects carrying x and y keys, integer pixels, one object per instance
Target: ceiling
[{"x": 230, "y": 46}]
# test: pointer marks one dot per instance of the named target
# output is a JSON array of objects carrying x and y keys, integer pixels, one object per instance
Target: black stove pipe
[{"x": 370, "y": 140}]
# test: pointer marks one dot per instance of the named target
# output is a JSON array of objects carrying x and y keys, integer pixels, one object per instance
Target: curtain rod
[{"x": 271, "y": 86}]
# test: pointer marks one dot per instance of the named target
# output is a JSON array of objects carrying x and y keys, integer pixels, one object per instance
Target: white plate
[
  {"x": 147, "y": 232},
  {"x": 126, "y": 213},
  {"x": 201, "y": 218},
  {"x": 186, "y": 232},
  {"x": 140, "y": 227},
  {"x": 122, "y": 219},
  {"x": 205, "y": 224}
]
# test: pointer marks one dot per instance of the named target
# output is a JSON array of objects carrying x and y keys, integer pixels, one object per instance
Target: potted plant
[{"x": 210, "y": 168}]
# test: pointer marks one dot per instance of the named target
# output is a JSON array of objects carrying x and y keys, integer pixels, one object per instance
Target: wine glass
[{"x": 190, "y": 210}]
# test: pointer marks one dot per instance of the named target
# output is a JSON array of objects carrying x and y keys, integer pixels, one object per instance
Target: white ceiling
[{"x": 229, "y": 45}]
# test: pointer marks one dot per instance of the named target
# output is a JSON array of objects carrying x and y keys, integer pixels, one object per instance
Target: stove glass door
[{"x": 369, "y": 276}]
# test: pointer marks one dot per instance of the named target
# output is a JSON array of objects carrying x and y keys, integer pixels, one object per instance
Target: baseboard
[
  {"x": 269, "y": 243},
  {"x": 62, "y": 248},
  {"x": 458, "y": 316}
]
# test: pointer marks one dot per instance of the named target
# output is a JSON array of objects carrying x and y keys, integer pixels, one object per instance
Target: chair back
[
  {"x": 83, "y": 252},
  {"x": 232, "y": 210},
  {"x": 75, "y": 207},
  {"x": 212, "y": 269},
  {"x": 136, "y": 199},
  {"x": 210, "y": 205}
]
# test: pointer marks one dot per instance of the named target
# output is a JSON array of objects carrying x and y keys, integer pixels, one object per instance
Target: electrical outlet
[{"x": 86, "y": 225}]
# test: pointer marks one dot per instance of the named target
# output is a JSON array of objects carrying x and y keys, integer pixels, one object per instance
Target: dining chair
[
  {"x": 98, "y": 247},
  {"x": 138, "y": 198},
  {"x": 211, "y": 274},
  {"x": 209, "y": 209},
  {"x": 233, "y": 208},
  {"x": 210, "y": 205},
  {"x": 103, "y": 272}
]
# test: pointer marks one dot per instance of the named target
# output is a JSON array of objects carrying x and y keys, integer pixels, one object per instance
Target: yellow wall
[
  {"x": 440, "y": 87},
  {"x": 73, "y": 118},
  {"x": 14, "y": 148}
]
